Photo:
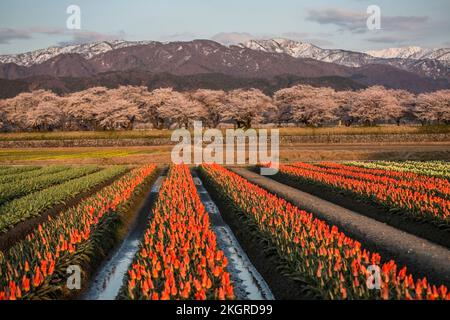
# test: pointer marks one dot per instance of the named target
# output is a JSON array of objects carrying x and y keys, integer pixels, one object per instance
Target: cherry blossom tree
[
  {"x": 398, "y": 107},
  {"x": 306, "y": 105},
  {"x": 46, "y": 116},
  {"x": 4, "y": 125},
  {"x": 100, "y": 108},
  {"x": 342, "y": 112},
  {"x": 433, "y": 107},
  {"x": 369, "y": 106},
  {"x": 152, "y": 104},
  {"x": 181, "y": 110},
  {"x": 84, "y": 110},
  {"x": 214, "y": 102},
  {"x": 38, "y": 110},
  {"x": 245, "y": 107}
]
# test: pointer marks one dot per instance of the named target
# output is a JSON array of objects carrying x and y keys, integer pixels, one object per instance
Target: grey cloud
[
  {"x": 185, "y": 36},
  {"x": 45, "y": 30},
  {"x": 355, "y": 21},
  {"x": 387, "y": 39},
  {"x": 295, "y": 35},
  {"x": 8, "y": 34},
  {"x": 319, "y": 42},
  {"x": 76, "y": 36},
  {"x": 400, "y": 23},
  {"x": 345, "y": 20},
  {"x": 80, "y": 37},
  {"x": 231, "y": 38}
]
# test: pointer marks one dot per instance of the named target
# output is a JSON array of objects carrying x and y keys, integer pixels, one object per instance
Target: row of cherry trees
[{"x": 122, "y": 108}]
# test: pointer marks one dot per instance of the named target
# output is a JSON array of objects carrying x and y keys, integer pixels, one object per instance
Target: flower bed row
[
  {"x": 423, "y": 206},
  {"x": 27, "y": 185},
  {"x": 34, "y": 204},
  {"x": 429, "y": 168},
  {"x": 7, "y": 170},
  {"x": 407, "y": 180},
  {"x": 315, "y": 251},
  {"x": 179, "y": 257},
  {"x": 15, "y": 177},
  {"x": 36, "y": 267}
]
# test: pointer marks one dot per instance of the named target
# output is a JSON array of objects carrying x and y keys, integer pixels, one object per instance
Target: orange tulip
[
  {"x": 179, "y": 250},
  {"x": 26, "y": 283},
  {"x": 325, "y": 256}
]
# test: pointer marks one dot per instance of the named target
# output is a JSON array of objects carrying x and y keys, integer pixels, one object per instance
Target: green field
[
  {"x": 75, "y": 153},
  {"x": 29, "y": 198}
]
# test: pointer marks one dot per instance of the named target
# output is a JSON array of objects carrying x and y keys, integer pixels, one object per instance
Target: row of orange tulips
[
  {"x": 179, "y": 257},
  {"x": 408, "y": 180},
  {"x": 418, "y": 204},
  {"x": 316, "y": 251},
  {"x": 35, "y": 268}
]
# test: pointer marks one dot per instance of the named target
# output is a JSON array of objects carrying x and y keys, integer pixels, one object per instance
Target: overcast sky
[{"x": 27, "y": 25}]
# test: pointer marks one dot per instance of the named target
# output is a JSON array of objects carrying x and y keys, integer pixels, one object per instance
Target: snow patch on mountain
[
  {"x": 434, "y": 63},
  {"x": 305, "y": 50},
  {"x": 87, "y": 51},
  {"x": 414, "y": 53}
]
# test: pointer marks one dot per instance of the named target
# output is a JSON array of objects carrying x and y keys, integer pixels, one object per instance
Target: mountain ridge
[
  {"x": 86, "y": 50},
  {"x": 273, "y": 58},
  {"x": 414, "y": 53},
  {"x": 433, "y": 63}
]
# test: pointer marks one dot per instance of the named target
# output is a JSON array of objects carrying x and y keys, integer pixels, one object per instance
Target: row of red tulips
[
  {"x": 179, "y": 257},
  {"x": 421, "y": 183},
  {"x": 36, "y": 267},
  {"x": 417, "y": 204},
  {"x": 316, "y": 251}
]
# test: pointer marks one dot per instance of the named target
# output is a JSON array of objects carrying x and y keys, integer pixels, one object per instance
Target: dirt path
[
  {"x": 108, "y": 280},
  {"x": 422, "y": 257},
  {"x": 248, "y": 282},
  {"x": 261, "y": 252}
]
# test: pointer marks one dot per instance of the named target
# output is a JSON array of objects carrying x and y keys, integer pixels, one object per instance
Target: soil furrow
[
  {"x": 108, "y": 279},
  {"x": 247, "y": 281}
]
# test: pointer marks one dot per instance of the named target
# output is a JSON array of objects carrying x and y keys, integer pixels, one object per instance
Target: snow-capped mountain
[
  {"x": 298, "y": 49},
  {"x": 426, "y": 62},
  {"x": 87, "y": 51},
  {"x": 293, "y": 48},
  {"x": 403, "y": 53},
  {"x": 262, "y": 61},
  {"x": 433, "y": 63},
  {"x": 414, "y": 53}
]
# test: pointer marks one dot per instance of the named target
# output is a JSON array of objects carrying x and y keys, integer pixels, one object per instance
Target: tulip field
[
  {"x": 58, "y": 216},
  {"x": 420, "y": 196},
  {"x": 34, "y": 268},
  {"x": 316, "y": 251}
]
